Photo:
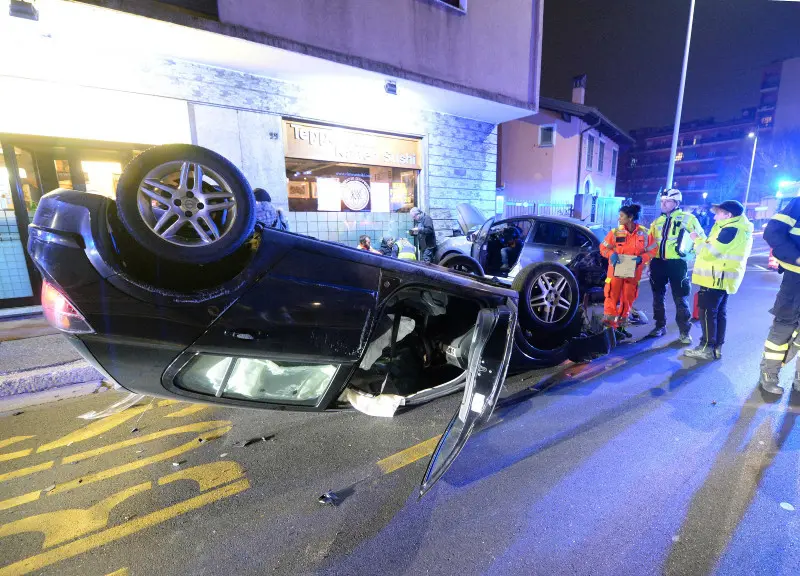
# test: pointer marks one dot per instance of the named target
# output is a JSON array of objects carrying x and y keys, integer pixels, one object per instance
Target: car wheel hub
[
  {"x": 551, "y": 297},
  {"x": 186, "y": 203}
]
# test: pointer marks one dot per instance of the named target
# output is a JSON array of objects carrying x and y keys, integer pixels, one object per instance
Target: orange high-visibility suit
[{"x": 621, "y": 293}]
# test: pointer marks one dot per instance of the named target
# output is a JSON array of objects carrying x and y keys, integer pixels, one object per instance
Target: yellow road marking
[
  {"x": 207, "y": 476},
  {"x": 189, "y": 410},
  {"x": 120, "y": 572},
  {"x": 65, "y": 525},
  {"x": 168, "y": 403},
  {"x": 94, "y": 429},
  {"x": 20, "y": 500},
  {"x": 18, "y": 453},
  {"x": 196, "y": 427},
  {"x": 25, "y": 471},
  {"x": 117, "y": 532},
  {"x": 124, "y": 468},
  {"x": 14, "y": 440},
  {"x": 408, "y": 456}
]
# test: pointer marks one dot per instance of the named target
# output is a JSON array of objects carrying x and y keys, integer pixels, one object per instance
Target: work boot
[
  {"x": 769, "y": 383},
  {"x": 718, "y": 352},
  {"x": 623, "y": 333},
  {"x": 685, "y": 338},
  {"x": 700, "y": 352},
  {"x": 657, "y": 332}
]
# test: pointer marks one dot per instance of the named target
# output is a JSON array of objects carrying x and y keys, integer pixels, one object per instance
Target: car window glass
[
  {"x": 257, "y": 379},
  {"x": 582, "y": 241},
  {"x": 518, "y": 228},
  {"x": 551, "y": 233}
]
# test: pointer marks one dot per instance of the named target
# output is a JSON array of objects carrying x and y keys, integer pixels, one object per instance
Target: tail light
[{"x": 60, "y": 312}]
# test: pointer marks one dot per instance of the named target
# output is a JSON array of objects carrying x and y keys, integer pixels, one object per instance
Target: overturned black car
[{"x": 174, "y": 290}]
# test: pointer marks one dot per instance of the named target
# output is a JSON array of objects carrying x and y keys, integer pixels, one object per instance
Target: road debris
[
  {"x": 49, "y": 488},
  {"x": 134, "y": 430},
  {"x": 115, "y": 408},
  {"x": 713, "y": 402},
  {"x": 178, "y": 463},
  {"x": 786, "y": 506},
  {"x": 330, "y": 498},
  {"x": 19, "y": 413},
  {"x": 251, "y": 441},
  {"x": 223, "y": 455}
]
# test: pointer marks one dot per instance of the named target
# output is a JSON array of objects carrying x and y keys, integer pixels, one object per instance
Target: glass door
[{"x": 16, "y": 269}]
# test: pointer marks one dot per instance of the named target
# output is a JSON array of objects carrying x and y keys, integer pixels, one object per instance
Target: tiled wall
[
  {"x": 14, "y": 280},
  {"x": 346, "y": 227}
]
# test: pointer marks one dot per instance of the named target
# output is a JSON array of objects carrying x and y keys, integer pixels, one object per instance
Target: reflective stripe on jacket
[
  {"x": 406, "y": 250},
  {"x": 668, "y": 230},
  {"x": 783, "y": 236},
  {"x": 722, "y": 265},
  {"x": 636, "y": 243}
]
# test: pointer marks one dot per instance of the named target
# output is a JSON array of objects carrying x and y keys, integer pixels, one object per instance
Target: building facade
[
  {"x": 709, "y": 162},
  {"x": 779, "y": 105},
  {"x": 346, "y": 135},
  {"x": 566, "y": 149}
]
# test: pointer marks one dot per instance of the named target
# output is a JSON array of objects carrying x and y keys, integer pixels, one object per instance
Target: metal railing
[{"x": 514, "y": 208}]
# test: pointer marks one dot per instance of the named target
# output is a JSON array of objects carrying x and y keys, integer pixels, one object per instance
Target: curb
[{"x": 40, "y": 379}]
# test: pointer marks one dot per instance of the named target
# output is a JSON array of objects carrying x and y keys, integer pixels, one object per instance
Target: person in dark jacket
[
  {"x": 389, "y": 247},
  {"x": 783, "y": 236},
  {"x": 425, "y": 234}
]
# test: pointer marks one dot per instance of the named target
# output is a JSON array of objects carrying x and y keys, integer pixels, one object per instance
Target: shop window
[
  {"x": 101, "y": 176},
  {"x": 331, "y": 169},
  {"x": 317, "y": 186}
]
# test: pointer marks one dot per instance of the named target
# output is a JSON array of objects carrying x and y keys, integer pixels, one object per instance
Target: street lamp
[
  {"x": 705, "y": 195},
  {"x": 754, "y": 136},
  {"x": 677, "y": 127}
]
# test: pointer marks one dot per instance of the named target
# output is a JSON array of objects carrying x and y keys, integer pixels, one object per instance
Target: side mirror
[{"x": 471, "y": 237}]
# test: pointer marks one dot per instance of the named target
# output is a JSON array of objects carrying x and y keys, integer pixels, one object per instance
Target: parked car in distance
[{"x": 274, "y": 319}]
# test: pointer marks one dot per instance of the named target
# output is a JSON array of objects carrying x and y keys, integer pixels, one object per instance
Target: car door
[
  {"x": 549, "y": 242},
  {"x": 489, "y": 356},
  {"x": 479, "y": 240}
]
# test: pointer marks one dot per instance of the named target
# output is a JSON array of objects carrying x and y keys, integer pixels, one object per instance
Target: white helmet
[{"x": 672, "y": 194}]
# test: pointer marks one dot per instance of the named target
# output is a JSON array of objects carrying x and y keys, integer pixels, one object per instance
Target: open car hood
[{"x": 469, "y": 217}]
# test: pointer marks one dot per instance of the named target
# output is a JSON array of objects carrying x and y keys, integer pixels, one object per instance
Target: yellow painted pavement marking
[
  {"x": 14, "y": 440},
  {"x": 120, "y": 572},
  {"x": 20, "y": 500},
  {"x": 124, "y": 468},
  {"x": 117, "y": 532},
  {"x": 18, "y": 453},
  {"x": 168, "y": 403},
  {"x": 94, "y": 429},
  {"x": 195, "y": 427},
  {"x": 408, "y": 456},
  {"x": 207, "y": 476},
  {"x": 65, "y": 525},
  {"x": 189, "y": 410},
  {"x": 26, "y": 471}
]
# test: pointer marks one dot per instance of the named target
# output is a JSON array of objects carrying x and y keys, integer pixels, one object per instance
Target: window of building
[
  {"x": 634, "y": 161},
  {"x": 587, "y": 188},
  {"x": 678, "y": 156},
  {"x": 460, "y": 5},
  {"x": 589, "y": 152},
  {"x": 551, "y": 233},
  {"x": 601, "y": 152},
  {"x": 547, "y": 136},
  {"x": 331, "y": 169},
  {"x": 766, "y": 121},
  {"x": 614, "y": 158}
]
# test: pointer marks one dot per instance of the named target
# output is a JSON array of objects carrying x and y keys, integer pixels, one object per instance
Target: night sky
[{"x": 632, "y": 52}]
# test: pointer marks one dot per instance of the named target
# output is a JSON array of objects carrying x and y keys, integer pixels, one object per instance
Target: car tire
[
  {"x": 175, "y": 218},
  {"x": 462, "y": 264},
  {"x": 548, "y": 296}
]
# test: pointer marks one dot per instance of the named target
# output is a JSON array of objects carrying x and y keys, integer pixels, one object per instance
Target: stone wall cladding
[{"x": 460, "y": 153}]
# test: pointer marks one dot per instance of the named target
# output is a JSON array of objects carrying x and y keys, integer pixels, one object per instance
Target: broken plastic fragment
[
  {"x": 134, "y": 430},
  {"x": 50, "y": 488},
  {"x": 787, "y": 506},
  {"x": 178, "y": 463},
  {"x": 330, "y": 498},
  {"x": 244, "y": 443},
  {"x": 18, "y": 413},
  {"x": 223, "y": 455},
  {"x": 115, "y": 408}
]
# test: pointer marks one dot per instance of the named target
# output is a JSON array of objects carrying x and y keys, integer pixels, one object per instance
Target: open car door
[{"x": 489, "y": 354}]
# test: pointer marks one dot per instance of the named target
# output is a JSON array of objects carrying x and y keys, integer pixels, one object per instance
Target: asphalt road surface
[{"x": 640, "y": 463}]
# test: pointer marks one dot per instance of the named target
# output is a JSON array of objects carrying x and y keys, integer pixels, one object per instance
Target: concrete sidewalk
[{"x": 34, "y": 357}]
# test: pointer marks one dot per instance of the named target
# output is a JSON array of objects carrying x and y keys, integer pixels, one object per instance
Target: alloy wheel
[{"x": 551, "y": 297}]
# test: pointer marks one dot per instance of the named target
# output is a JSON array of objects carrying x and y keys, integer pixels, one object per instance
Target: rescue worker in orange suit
[{"x": 633, "y": 240}]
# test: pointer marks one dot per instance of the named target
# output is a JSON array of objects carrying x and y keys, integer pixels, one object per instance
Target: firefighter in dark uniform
[{"x": 783, "y": 236}]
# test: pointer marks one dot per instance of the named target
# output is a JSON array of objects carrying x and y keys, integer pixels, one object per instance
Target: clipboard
[{"x": 626, "y": 267}]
